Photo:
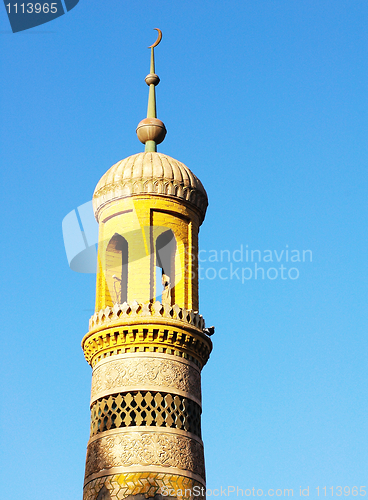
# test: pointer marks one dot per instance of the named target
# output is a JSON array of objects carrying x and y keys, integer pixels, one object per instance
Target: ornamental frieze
[
  {"x": 167, "y": 374},
  {"x": 145, "y": 449}
]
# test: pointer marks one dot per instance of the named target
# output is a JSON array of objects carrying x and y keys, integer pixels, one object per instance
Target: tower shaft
[{"x": 146, "y": 342}]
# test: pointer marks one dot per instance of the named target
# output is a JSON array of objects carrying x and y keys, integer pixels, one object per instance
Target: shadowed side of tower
[{"x": 145, "y": 343}]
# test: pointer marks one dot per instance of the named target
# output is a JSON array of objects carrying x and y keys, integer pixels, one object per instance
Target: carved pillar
[{"x": 145, "y": 402}]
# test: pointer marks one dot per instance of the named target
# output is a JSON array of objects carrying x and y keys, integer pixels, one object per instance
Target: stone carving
[
  {"x": 165, "y": 339},
  {"x": 112, "y": 376},
  {"x": 145, "y": 449},
  {"x": 128, "y": 311}
]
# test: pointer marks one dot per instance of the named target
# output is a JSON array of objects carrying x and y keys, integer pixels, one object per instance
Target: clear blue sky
[{"x": 266, "y": 101}]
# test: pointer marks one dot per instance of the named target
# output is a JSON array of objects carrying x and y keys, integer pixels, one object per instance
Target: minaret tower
[{"x": 146, "y": 342}]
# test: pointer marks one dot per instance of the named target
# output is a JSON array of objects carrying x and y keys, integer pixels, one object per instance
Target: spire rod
[
  {"x": 152, "y": 131},
  {"x": 151, "y": 108}
]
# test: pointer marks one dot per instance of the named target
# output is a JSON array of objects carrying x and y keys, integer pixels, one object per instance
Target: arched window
[
  {"x": 116, "y": 273},
  {"x": 165, "y": 261}
]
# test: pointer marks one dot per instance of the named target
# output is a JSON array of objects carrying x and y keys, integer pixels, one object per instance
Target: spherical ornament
[
  {"x": 151, "y": 129},
  {"x": 152, "y": 78}
]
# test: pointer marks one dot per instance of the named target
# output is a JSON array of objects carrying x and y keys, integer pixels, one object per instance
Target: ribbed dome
[{"x": 150, "y": 173}]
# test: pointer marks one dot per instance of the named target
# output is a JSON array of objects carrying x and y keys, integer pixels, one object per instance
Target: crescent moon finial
[
  {"x": 152, "y": 131},
  {"x": 159, "y": 38}
]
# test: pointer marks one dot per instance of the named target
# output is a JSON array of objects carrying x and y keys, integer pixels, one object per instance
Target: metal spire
[{"x": 152, "y": 131}]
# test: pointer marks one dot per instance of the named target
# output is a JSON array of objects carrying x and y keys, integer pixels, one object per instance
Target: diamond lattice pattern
[{"x": 143, "y": 408}]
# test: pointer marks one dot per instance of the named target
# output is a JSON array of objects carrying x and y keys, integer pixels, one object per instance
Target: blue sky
[{"x": 266, "y": 102}]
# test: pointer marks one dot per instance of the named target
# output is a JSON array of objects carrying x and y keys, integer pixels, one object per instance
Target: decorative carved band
[
  {"x": 147, "y": 484},
  {"x": 188, "y": 343},
  {"x": 144, "y": 408},
  {"x": 161, "y": 449},
  {"x": 127, "y": 312},
  {"x": 147, "y": 371}
]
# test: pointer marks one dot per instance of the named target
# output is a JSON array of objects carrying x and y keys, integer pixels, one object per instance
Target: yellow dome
[{"x": 150, "y": 173}]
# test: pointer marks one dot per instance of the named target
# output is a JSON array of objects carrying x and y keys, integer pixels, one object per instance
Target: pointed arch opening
[
  {"x": 116, "y": 273},
  {"x": 165, "y": 266}
]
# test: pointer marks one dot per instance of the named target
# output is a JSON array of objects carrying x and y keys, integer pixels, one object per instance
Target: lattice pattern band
[{"x": 145, "y": 408}]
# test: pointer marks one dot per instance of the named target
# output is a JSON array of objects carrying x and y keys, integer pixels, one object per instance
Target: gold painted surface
[
  {"x": 119, "y": 486},
  {"x": 140, "y": 219}
]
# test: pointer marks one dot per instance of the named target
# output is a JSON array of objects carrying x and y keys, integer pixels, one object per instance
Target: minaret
[{"x": 146, "y": 342}]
